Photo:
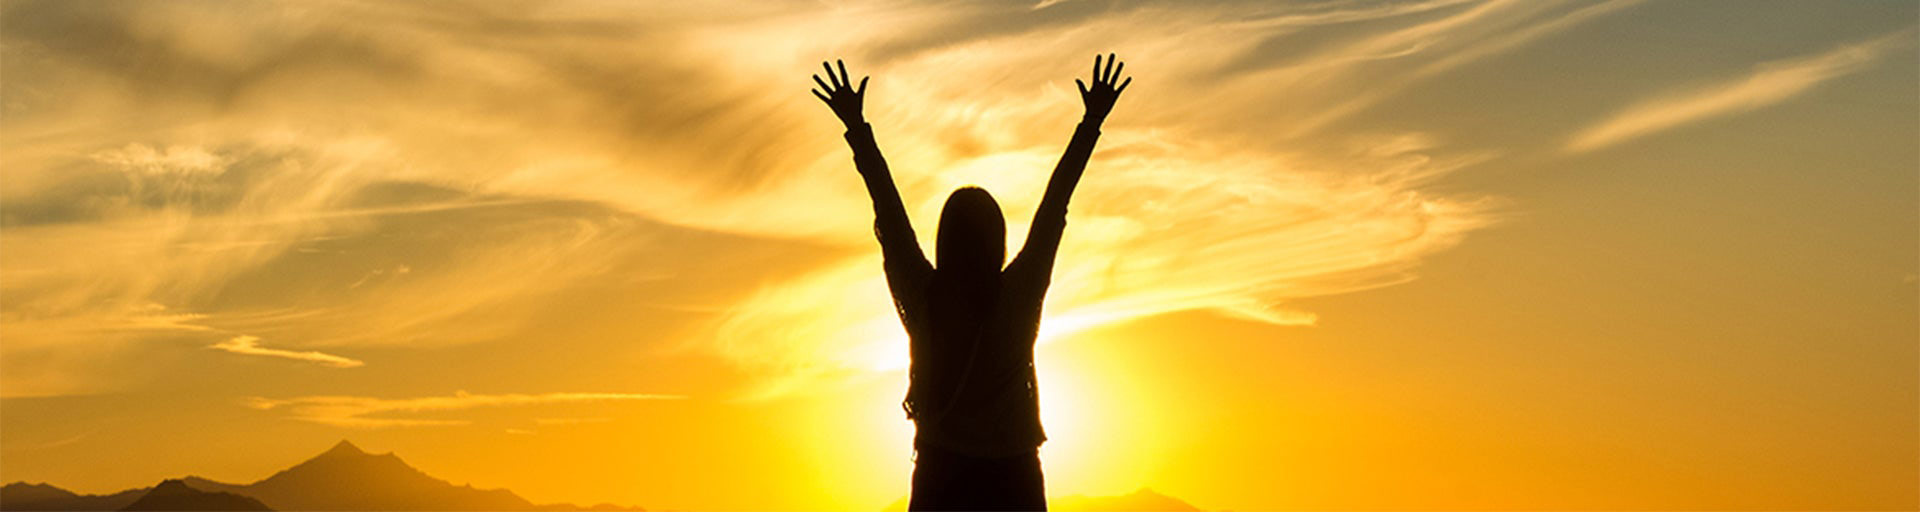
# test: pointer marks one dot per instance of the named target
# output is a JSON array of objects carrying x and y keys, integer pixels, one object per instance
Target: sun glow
[
  {"x": 1069, "y": 453},
  {"x": 1103, "y": 437}
]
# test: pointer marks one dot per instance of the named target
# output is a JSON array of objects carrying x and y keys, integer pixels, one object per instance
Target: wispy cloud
[
  {"x": 1295, "y": 16},
  {"x": 1769, "y": 83},
  {"x": 170, "y": 160},
  {"x": 1427, "y": 50},
  {"x": 254, "y": 157},
  {"x": 569, "y": 421},
  {"x": 13, "y": 445},
  {"x": 359, "y": 411},
  {"x": 1522, "y": 34},
  {"x": 250, "y": 345}
]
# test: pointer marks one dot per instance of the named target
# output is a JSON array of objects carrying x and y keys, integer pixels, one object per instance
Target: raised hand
[
  {"x": 840, "y": 94},
  {"x": 1106, "y": 89}
]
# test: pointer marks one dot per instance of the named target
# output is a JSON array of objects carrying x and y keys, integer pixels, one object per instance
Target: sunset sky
[{"x": 1431, "y": 254}]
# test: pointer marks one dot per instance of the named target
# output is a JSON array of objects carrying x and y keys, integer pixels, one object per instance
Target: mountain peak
[
  {"x": 343, "y": 478},
  {"x": 345, "y": 447}
]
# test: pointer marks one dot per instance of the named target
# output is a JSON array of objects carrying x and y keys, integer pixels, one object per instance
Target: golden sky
[{"x": 1428, "y": 254}]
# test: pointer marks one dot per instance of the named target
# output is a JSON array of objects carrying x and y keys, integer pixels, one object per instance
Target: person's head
[{"x": 973, "y": 235}]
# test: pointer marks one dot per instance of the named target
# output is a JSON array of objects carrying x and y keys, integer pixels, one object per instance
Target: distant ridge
[
  {"x": 350, "y": 479},
  {"x": 1141, "y": 500},
  {"x": 41, "y": 496},
  {"x": 175, "y": 495},
  {"x": 344, "y": 478}
]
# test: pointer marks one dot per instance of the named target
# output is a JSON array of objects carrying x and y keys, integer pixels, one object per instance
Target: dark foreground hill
[
  {"x": 342, "y": 479},
  {"x": 175, "y": 495}
]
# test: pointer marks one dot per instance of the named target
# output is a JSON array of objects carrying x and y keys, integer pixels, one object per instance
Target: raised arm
[
  {"x": 1050, "y": 221},
  {"x": 904, "y": 260}
]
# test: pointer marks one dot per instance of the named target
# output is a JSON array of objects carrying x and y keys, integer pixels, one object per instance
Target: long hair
[
  {"x": 969, "y": 250},
  {"x": 973, "y": 235}
]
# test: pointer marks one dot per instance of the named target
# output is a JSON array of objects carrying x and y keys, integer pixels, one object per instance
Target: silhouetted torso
[{"x": 973, "y": 389}]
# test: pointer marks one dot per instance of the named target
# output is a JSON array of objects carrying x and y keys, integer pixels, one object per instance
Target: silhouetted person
[{"x": 971, "y": 324}]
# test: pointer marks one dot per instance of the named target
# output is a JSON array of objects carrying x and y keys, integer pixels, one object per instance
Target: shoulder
[
  {"x": 1024, "y": 278},
  {"x": 907, "y": 272}
]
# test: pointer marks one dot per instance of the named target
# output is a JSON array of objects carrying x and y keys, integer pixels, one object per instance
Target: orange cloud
[{"x": 1203, "y": 196}]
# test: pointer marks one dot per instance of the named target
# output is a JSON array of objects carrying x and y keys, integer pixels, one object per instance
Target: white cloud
[
  {"x": 1769, "y": 83},
  {"x": 250, "y": 345},
  {"x": 356, "y": 411}
]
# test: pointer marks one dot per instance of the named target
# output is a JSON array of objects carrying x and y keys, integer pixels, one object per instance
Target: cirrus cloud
[
  {"x": 360, "y": 411},
  {"x": 279, "y": 168},
  {"x": 1769, "y": 83},
  {"x": 250, "y": 346}
]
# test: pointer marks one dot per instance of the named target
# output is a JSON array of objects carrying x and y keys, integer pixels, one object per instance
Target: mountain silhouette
[
  {"x": 344, "y": 478},
  {"x": 25, "y": 496},
  {"x": 1141, "y": 500},
  {"x": 176, "y": 495},
  {"x": 347, "y": 478}
]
